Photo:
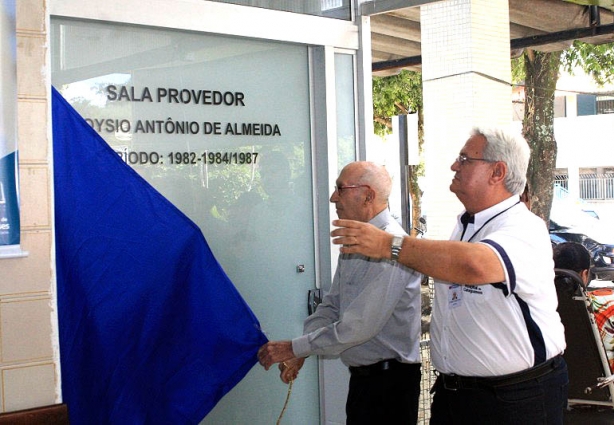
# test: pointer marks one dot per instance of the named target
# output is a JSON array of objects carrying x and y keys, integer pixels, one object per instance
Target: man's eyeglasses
[
  {"x": 340, "y": 189},
  {"x": 462, "y": 159}
]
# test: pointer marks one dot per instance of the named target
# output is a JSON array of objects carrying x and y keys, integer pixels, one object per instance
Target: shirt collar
[
  {"x": 381, "y": 220},
  {"x": 483, "y": 216}
]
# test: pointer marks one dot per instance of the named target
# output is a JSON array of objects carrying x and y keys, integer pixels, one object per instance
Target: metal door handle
[{"x": 314, "y": 298}]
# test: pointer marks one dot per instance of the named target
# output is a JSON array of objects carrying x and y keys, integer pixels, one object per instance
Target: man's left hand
[{"x": 275, "y": 352}]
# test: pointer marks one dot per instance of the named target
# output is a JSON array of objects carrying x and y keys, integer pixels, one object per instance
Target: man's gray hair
[{"x": 513, "y": 150}]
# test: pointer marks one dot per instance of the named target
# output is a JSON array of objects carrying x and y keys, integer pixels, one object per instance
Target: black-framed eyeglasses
[
  {"x": 340, "y": 189},
  {"x": 462, "y": 159}
]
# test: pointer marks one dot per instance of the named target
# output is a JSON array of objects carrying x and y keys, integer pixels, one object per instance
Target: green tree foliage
[
  {"x": 401, "y": 94},
  {"x": 595, "y": 60}
]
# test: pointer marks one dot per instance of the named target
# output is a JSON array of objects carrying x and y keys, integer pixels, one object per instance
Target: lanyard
[{"x": 487, "y": 221}]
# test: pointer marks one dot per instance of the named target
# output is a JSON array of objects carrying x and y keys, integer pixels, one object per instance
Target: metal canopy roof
[{"x": 545, "y": 25}]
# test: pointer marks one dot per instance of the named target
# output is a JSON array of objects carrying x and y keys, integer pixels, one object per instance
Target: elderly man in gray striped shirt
[{"x": 370, "y": 317}]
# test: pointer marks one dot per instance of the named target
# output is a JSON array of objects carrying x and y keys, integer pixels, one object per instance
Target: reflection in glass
[
  {"x": 339, "y": 9},
  {"x": 346, "y": 116}
]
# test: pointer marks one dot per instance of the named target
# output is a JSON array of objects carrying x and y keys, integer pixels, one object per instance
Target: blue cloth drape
[{"x": 151, "y": 329}]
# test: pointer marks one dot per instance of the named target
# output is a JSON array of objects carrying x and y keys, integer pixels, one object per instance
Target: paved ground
[{"x": 593, "y": 415}]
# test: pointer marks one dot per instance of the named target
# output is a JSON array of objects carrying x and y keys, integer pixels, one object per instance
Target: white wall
[{"x": 586, "y": 141}]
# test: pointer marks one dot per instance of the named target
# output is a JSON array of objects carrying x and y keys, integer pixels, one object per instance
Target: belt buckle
[{"x": 451, "y": 382}]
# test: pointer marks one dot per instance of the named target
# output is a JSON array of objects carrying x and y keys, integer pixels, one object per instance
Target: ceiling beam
[
  {"x": 568, "y": 35},
  {"x": 397, "y": 63},
  {"x": 394, "y": 45},
  {"x": 518, "y": 43},
  {"x": 375, "y": 7},
  {"x": 396, "y": 27},
  {"x": 548, "y": 15},
  {"x": 411, "y": 13},
  {"x": 520, "y": 32}
]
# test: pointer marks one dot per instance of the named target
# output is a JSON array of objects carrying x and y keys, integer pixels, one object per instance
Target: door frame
[{"x": 244, "y": 21}]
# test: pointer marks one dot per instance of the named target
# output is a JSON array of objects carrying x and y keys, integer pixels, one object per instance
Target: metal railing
[
  {"x": 597, "y": 186},
  {"x": 592, "y": 186},
  {"x": 428, "y": 373},
  {"x": 562, "y": 181},
  {"x": 428, "y": 379}
]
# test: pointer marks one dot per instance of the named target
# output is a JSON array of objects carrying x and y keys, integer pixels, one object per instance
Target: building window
[
  {"x": 586, "y": 104},
  {"x": 559, "y": 107},
  {"x": 605, "y": 104},
  {"x": 590, "y": 104}
]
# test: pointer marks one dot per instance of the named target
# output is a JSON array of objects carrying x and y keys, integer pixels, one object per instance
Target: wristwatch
[{"x": 395, "y": 248}]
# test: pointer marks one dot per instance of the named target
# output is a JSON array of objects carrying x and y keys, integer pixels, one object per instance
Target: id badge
[{"x": 455, "y": 295}]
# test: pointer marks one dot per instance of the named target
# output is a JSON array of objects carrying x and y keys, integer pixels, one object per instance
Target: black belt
[
  {"x": 380, "y": 367},
  {"x": 456, "y": 382}
]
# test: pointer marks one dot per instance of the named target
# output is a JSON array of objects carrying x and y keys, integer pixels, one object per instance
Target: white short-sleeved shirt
[{"x": 500, "y": 328}]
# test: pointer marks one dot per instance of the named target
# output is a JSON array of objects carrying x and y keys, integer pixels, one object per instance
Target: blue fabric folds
[{"x": 151, "y": 329}]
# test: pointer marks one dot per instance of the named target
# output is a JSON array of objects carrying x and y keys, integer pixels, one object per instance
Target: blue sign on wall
[{"x": 9, "y": 193}]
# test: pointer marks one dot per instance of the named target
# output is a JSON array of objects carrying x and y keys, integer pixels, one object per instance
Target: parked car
[{"x": 568, "y": 223}]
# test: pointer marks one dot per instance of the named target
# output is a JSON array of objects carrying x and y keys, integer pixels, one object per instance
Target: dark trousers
[
  {"x": 537, "y": 401},
  {"x": 389, "y": 396}
]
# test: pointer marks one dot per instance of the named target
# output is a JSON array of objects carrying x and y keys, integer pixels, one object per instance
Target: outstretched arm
[{"x": 451, "y": 261}]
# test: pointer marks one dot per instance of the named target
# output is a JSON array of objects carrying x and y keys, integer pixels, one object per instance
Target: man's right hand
[
  {"x": 357, "y": 237},
  {"x": 289, "y": 369}
]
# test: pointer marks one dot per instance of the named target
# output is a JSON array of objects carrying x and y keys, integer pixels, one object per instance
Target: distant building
[{"x": 584, "y": 132}]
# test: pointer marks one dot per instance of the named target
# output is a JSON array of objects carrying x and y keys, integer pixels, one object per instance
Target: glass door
[{"x": 221, "y": 127}]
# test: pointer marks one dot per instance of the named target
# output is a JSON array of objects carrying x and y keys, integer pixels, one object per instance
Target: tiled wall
[
  {"x": 466, "y": 81},
  {"x": 28, "y": 347}
]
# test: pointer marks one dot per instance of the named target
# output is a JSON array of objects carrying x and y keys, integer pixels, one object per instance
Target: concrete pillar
[
  {"x": 466, "y": 78},
  {"x": 571, "y": 105}
]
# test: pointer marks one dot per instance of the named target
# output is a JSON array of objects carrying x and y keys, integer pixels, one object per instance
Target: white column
[
  {"x": 571, "y": 105},
  {"x": 364, "y": 77},
  {"x": 466, "y": 80}
]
